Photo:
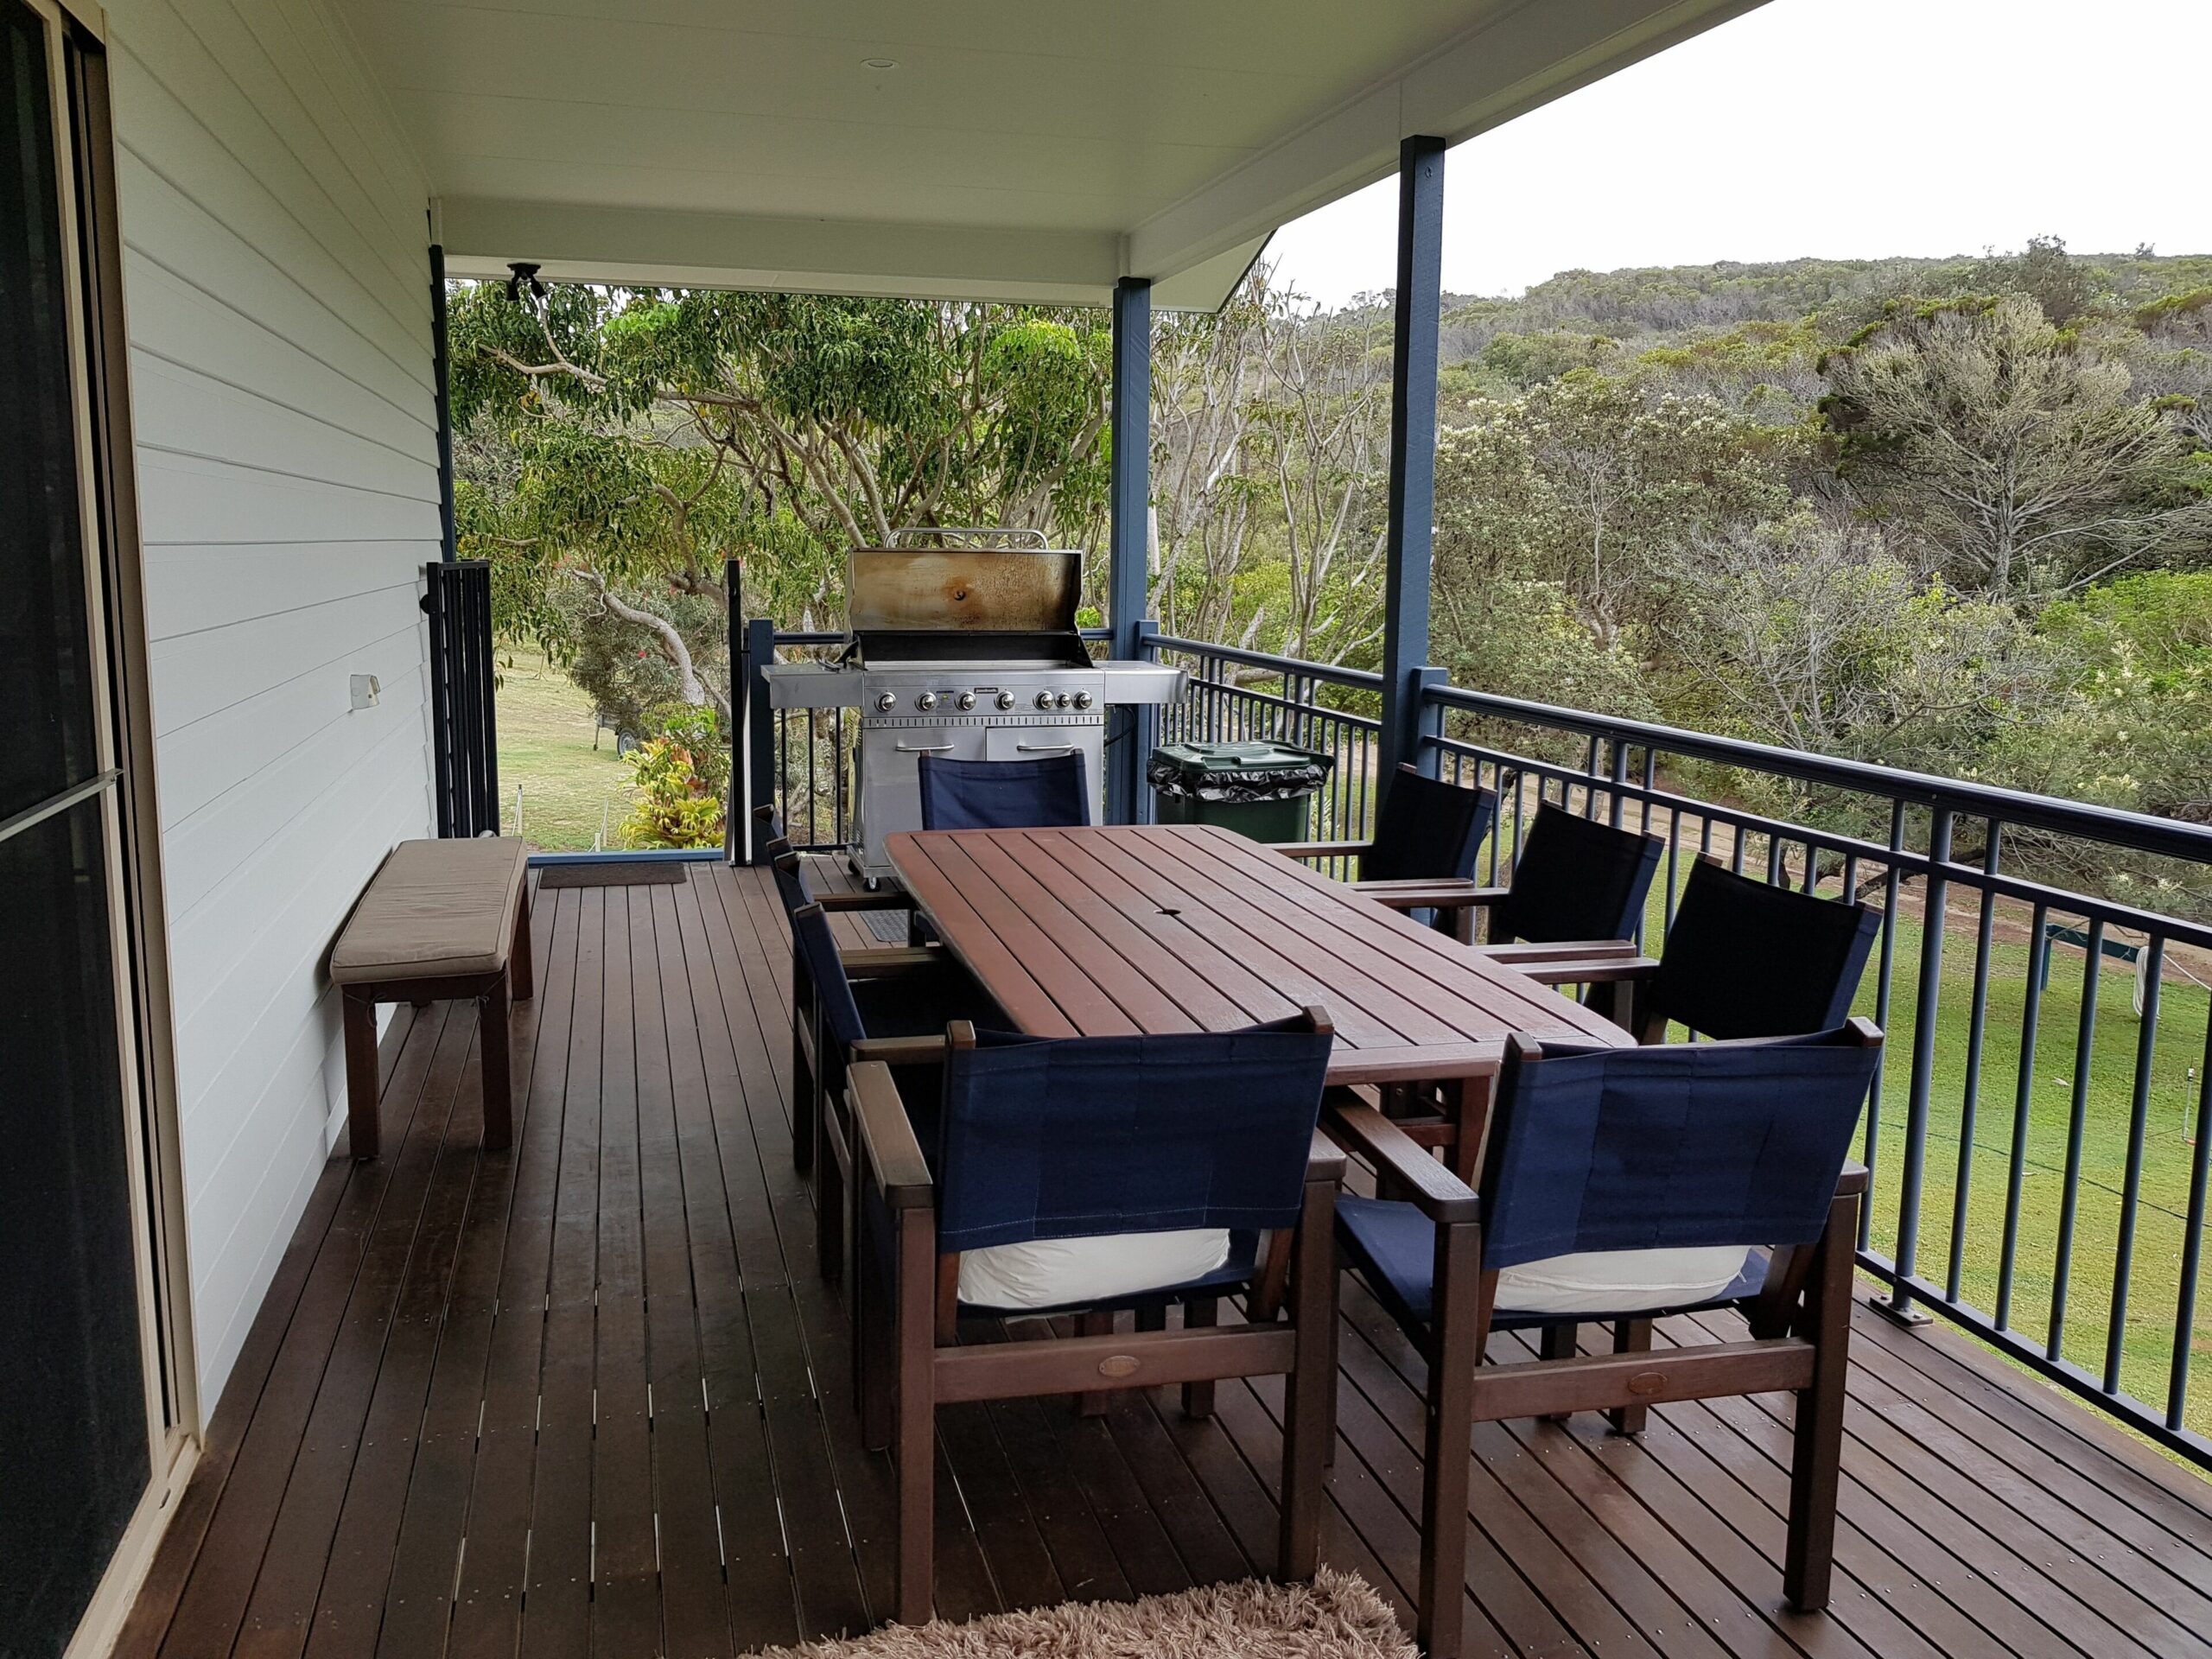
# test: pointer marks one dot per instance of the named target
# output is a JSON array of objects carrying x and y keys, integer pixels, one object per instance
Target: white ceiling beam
[
  {"x": 1538, "y": 50},
  {"x": 649, "y": 247}
]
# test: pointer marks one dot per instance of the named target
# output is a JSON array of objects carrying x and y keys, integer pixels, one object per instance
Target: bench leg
[
  {"x": 498, "y": 1055},
  {"x": 361, "y": 1020},
  {"x": 522, "y": 975}
]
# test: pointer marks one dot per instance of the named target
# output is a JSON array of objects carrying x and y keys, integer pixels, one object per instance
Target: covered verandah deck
[{"x": 591, "y": 1395}]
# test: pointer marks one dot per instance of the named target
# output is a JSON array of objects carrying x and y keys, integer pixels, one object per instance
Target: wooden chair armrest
[
  {"x": 1324, "y": 1162},
  {"x": 893, "y": 1156},
  {"x": 1854, "y": 1178},
  {"x": 901, "y": 1051},
  {"x": 1432, "y": 1188},
  {"x": 1575, "y": 950},
  {"x": 893, "y": 961},
  {"x": 1446, "y": 892},
  {"x": 1305, "y": 850},
  {"x": 1589, "y": 970},
  {"x": 889, "y": 898}
]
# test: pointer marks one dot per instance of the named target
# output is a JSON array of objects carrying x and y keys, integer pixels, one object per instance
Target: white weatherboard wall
[{"x": 277, "y": 283}]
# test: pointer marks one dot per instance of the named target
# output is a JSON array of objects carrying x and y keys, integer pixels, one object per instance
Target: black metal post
[
  {"x": 1129, "y": 495},
  {"x": 758, "y": 720},
  {"x": 1412, "y": 451},
  {"x": 442, "y": 377}
]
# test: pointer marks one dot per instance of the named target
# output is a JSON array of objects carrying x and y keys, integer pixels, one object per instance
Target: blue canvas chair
[
  {"x": 892, "y": 1006},
  {"x": 1422, "y": 858},
  {"x": 1096, "y": 1140},
  {"x": 1743, "y": 958},
  {"x": 796, "y": 892},
  {"x": 1050, "y": 792},
  {"x": 1578, "y": 888},
  {"x": 1710, "y": 1176}
]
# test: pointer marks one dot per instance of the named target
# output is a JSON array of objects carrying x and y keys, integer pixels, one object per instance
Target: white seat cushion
[
  {"x": 1068, "y": 1272},
  {"x": 1618, "y": 1281}
]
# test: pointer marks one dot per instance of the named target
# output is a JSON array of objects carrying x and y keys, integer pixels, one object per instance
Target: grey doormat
[
  {"x": 1336, "y": 1617},
  {"x": 629, "y": 873},
  {"x": 889, "y": 925}
]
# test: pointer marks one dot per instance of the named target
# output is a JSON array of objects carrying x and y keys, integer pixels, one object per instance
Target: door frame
[{"x": 99, "y": 359}]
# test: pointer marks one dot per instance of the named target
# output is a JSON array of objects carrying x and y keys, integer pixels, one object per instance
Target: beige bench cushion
[{"x": 436, "y": 910}]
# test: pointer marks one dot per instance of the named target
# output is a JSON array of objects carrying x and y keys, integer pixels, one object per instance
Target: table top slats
[
  {"x": 1220, "y": 994},
  {"x": 1422, "y": 951},
  {"x": 988, "y": 956},
  {"x": 1347, "y": 979},
  {"x": 1108, "y": 929},
  {"x": 1114, "y": 972}
]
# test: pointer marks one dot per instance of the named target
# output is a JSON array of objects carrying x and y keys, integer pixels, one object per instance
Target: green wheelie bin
[{"x": 1258, "y": 788}]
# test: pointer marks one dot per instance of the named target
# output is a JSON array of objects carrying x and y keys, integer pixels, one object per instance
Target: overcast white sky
[{"x": 1838, "y": 128}]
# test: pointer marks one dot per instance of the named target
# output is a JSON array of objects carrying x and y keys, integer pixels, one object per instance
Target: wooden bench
[{"x": 440, "y": 920}]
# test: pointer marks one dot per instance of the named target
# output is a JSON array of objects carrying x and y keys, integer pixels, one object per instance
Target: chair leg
[
  {"x": 805, "y": 1089},
  {"x": 495, "y": 1043},
  {"x": 1092, "y": 1324},
  {"x": 1631, "y": 1337},
  {"x": 1817, "y": 1454},
  {"x": 1557, "y": 1342},
  {"x": 829, "y": 1213},
  {"x": 1308, "y": 1399},
  {"x": 1440, "y": 1612},
  {"x": 359, "y": 1011},
  {"x": 879, "y": 1390},
  {"x": 917, "y": 1438},
  {"x": 522, "y": 971},
  {"x": 1198, "y": 1314}
]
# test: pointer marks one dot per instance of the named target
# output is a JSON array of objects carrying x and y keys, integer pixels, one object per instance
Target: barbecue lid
[{"x": 969, "y": 581}]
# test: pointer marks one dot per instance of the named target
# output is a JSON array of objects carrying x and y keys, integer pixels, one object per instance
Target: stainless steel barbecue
[{"x": 965, "y": 647}]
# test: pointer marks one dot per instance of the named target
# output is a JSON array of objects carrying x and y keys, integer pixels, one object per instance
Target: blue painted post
[
  {"x": 1129, "y": 498},
  {"x": 1413, "y": 453}
]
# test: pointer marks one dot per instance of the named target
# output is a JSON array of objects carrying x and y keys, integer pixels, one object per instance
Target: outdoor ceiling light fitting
[
  {"x": 524, "y": 273},
  {"x": 879, "y": 63}
]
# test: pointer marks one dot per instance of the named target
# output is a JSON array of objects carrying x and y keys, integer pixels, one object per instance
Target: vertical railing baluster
[
  {"x": 2023, "y": 1104},
  {"x": 2192, "y": 1246},
  {"x": 1885, "y": 976},
  {"x": 2131, "y": 1189},
  {"x": 2070, "y": 1200},
  {"x": 1970, "y": 1095},
  {"x": 1923, "y": 1057}
]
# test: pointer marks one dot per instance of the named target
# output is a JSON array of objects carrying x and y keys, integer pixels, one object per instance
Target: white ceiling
[{"x": 1021, "y": 149}]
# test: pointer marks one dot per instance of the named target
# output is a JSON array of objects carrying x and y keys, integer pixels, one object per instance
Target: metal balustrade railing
[{"x": 2040, "y": 1138}]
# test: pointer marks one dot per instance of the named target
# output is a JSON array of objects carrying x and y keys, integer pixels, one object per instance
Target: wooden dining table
[{"x": 1113, "y": 930}]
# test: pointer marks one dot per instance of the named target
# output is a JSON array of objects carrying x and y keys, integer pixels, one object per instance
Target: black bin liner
[{"x": 1257, "y": 771}]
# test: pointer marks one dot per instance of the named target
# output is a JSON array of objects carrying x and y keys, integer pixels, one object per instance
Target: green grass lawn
[{"x": 545, "y": 749}]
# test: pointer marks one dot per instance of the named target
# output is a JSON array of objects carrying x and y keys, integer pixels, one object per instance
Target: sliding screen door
[{"x": 80, "y": 1412}]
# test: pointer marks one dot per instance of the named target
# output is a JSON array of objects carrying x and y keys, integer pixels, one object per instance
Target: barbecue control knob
[
  {"x": 1082, "y": 699},
  {"x": 1044, "y": 699},
  {"x": 964, "y": 702},
  {"x": 1062, "y": 699},
  {"x": 1006, "y": 699},
  {"x": 926, "y": 701},
  {"x": 885, "y": 701}
]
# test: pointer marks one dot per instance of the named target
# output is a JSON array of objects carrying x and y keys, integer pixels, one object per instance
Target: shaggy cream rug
[{"x": 1337, "y": 1616}]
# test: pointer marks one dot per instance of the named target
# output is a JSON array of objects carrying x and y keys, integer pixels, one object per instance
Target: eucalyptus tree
[{"x": 626, "y": 441}]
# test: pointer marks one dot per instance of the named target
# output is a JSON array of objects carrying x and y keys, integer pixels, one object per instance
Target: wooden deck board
[{"x": 592, "y": 1396}]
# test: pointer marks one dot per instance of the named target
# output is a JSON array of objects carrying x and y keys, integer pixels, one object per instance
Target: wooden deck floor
[{"x": 590, "y": 1395}]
